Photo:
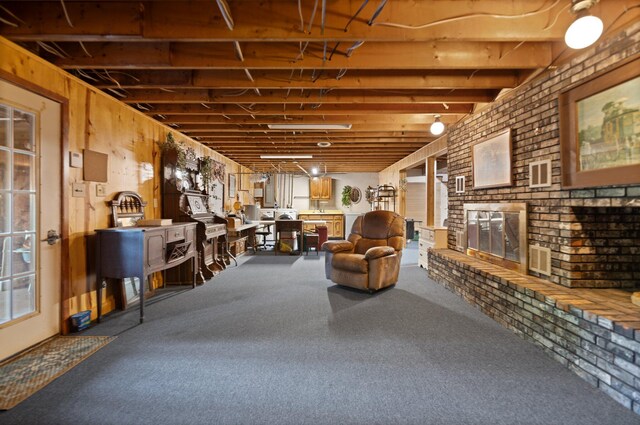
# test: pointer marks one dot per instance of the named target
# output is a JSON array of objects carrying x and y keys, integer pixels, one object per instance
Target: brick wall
[
  {"x": 601, "y": 350},
  {"x": 577, "y": 225}
]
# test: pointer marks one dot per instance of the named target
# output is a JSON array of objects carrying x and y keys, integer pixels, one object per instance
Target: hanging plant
[
  {"x": 170, "y": 144},
  {"x": 346, "y": 196},
  {"x": 206, "y": 170}
]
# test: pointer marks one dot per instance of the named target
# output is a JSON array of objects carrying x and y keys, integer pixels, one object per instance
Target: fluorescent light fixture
[
  {"x": 286, "y": 156},
  {"x": 309, "y": 126}
]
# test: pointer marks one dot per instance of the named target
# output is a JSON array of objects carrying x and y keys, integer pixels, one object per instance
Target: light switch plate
[
  {"x": 77, "y": 190},
  {"x": 75, "y": 159},
  {"x": 101, "y": 190}
]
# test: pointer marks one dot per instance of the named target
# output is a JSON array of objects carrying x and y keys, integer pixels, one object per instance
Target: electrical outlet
[
  {"x": 101, "y": 190},
  {"x": 77, "y": 190}
]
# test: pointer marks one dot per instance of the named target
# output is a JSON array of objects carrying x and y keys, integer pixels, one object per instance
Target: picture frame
[
  {"x": 130, "y": 291},
  {"x": 196, "y": 204},
  {"x": 599, "y": 129},
  {"x": 491, "y": 161},
  {"x": 232, "y": 186}
]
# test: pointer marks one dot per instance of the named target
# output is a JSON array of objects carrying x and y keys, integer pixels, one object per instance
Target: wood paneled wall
[
  {"x": 101, "y": 123},
  {"x": 392, "y": 174}
]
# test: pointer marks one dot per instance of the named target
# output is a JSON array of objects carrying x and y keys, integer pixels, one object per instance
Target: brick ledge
[{"x": 609, "y": 307}]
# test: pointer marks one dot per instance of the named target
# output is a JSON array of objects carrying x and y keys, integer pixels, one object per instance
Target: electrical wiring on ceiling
[
  {"x": 12, "y": 24},
  {"x": 377, "y": 12},
  {"x": 463, "y": 17},
  {"x": 364, "y": 3},
  {"x": 85, "y": 75},
  {"x": 56, "y": 51},
  {"x": 226, "y": 13},
  {"x": 353, "y": 47},
  {"x": 66, "y": 14},
  {"x": 86, "y": 52}
]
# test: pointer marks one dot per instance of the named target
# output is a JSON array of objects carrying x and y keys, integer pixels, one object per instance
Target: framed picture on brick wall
[
  {"x": 600, "y": 129},
  {"x": 491, "y": 160}
]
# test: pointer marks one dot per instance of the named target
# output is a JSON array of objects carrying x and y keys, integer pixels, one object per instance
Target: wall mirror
[{"x": 355, "y": 195}]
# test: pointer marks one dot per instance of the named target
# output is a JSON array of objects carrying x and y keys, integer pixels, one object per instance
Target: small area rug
[{"x": 23, "y": 375}]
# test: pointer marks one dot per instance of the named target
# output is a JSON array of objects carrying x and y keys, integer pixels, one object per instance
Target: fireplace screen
[{"x": 497, "y": 233}]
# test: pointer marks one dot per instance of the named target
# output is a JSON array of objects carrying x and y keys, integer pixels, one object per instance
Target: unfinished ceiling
[{"x": 222, "y": 71}]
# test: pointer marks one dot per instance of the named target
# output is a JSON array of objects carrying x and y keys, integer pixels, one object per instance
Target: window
[{"x": 17, "y": 213}]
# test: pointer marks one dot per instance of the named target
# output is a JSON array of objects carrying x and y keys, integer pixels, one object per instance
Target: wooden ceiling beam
[
  {"x": 372, "y": 55},
  {"x": 367, "y": 144},
  {"x": 282, "y": 79},
  {"x": 453, "y": 113},
  {"x": 202, "y": 20},
  {"x": 346, "y": 136},
  {"x": 232, "y": 128},
  {"x": 424, "y": 119},
  {"x": 462, "y": 97},
  {"x": 266, "y": 97}
]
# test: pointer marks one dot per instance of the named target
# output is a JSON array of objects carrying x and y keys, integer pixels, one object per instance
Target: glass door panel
[{"x": 18, "y": 206}]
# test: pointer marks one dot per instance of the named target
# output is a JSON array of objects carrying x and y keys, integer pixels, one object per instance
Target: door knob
[{"x": 52, "y": 237}]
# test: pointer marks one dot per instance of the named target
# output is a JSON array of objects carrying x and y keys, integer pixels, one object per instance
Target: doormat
[{"x": 23, "y": 375}]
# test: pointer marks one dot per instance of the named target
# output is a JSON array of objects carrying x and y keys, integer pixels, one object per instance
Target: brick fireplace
[
  {"x": 601, "y": 247},
  {"x": 592, "y": 233},
  {"x": 578, "y": 309}
]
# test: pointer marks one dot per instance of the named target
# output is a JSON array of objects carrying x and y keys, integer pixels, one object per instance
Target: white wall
[
  {"x": 416, "y": 202},
  {"x": 441, "y": 207}
]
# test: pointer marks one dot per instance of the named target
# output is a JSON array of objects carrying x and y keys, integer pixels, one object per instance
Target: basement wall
[{"x": 100, "y": 123}]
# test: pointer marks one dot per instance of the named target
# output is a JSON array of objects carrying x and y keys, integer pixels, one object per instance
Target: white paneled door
[{"x": 30, "y": 265}]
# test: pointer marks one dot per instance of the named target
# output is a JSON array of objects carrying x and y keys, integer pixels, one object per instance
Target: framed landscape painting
[
  {"x": 491, "y": 159},
  {"x": 600, "y": 129}
]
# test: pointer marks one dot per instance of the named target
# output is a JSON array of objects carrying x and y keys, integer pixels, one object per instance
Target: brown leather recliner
[{"x": 370, "y": 258}]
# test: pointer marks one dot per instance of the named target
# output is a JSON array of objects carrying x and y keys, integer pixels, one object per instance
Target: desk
[
  {"x": 242, "y": 237},
  {"x": 139, "y": 251},
  {"x": 288, "y": 226}
]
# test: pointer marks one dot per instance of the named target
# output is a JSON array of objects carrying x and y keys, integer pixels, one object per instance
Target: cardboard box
[{"x": 233, "y": 222}]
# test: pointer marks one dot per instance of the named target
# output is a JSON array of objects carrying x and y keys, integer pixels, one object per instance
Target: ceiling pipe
[{"x": 302, "y": 168}]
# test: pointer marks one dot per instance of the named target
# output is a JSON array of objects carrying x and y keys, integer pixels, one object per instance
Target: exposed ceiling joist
[{"x": 219, "y": 72}]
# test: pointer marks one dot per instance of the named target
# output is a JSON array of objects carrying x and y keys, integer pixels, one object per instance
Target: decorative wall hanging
[
  {"x": 600, "y": 129},
  {"x": 491, "y": 159}
]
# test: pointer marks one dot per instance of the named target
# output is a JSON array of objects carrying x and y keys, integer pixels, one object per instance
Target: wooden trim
[
  {"x": 572, "y": 177},
  {"x": 64, "y": 190},
  {"x": 431, "y": 173}
]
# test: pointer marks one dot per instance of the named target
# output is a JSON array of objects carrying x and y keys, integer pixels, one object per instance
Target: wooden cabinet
[
  {"x": 338, "y": 227},
  {"x": 430, "y": 237},
  {"x": 334, "y": 223},
  {"x": 320, "y": 188},
  {"x": 139, "y": 251}
]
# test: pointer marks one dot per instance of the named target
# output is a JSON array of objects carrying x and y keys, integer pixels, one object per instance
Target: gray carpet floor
[{"x": 273, "y": 342}]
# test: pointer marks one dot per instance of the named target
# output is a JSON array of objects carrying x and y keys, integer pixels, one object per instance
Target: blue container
[{"x": 81, "y": 320}]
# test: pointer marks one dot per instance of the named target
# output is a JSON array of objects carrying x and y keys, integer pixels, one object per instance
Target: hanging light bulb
[
  {"x": 437, "y": 127},
  {"x": 586, "y": 29}
]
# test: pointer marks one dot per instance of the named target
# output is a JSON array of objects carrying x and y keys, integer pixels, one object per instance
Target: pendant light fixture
[
  {"x": 437, "y": 127},
  {"x": 586, "y": 29}
]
